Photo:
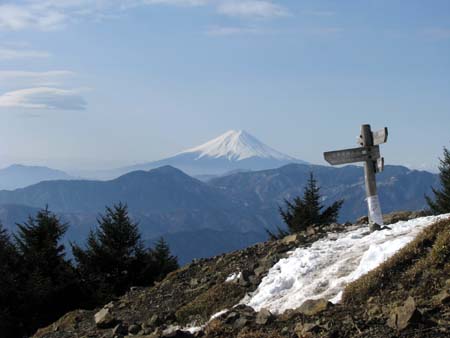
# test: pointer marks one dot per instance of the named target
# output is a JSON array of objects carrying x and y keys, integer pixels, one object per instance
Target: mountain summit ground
[{"x": 406, "y": 296}]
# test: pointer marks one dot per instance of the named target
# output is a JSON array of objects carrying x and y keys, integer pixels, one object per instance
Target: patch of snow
[
  {"x": 236, "y": 145},
  {"x": 217, "y": 315},
  {"x": 193, "y": 329},
  {"x": 189, "y": 328},
  {"x": 328, "y": 265},
  {"x": 170, "y": 329},
  {"x": 233, "y": 277}
]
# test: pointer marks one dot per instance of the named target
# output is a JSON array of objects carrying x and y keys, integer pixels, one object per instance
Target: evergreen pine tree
[
  {"x": 49, "y": 282},
  {"x": 165, "y": 262},
  {"x": 10, "y": 316},
  {"x": 307, "y": 210},
  {"x": 114, "y": 256},
  {"x": 441, "y": 202}
]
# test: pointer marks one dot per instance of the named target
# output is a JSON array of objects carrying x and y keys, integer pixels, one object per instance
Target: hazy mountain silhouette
[
  {"x": 19, "y": 176},
  {"x": 166, "y": 201}
]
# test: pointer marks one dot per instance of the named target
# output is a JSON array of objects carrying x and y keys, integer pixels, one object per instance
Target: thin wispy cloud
[
  {"x": 177, "y": 2},
  {"x": 18, "y": 74},
  {"x": 27, "y": 78},
  {"x": 54, "y": 14},
  {"x": 21, "y": 53},
  {"x": 325, "y": 31},
  {"x": 319, "y": 13},
  {"x": 252, "y": 9},
  {"x": 437, "y": 33},
  {"x": 228, "y": 30},
  {"x": 97, "y": 5},
  {"x": 43, "y": 98},
  {"x": 18, "y": 17}
]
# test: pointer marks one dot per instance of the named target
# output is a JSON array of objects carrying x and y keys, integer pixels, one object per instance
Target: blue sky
[{"x": 102, "y": 83}]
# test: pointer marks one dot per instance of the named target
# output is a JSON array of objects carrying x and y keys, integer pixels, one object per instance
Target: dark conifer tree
[
  {"x": 10, "y": 315},
  {"x": 307, "y": 210},
  {"x": 165, "y": 262},
  {"x": 441, "y": 202},
  {"x": 114, "y": 255},
  {"x": 49, "y": 282}
]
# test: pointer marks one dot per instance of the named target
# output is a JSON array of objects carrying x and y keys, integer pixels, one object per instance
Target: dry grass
[
  {"x": 413, "y": 268},
  {"x": 215, "y": 299},
  {"x": 216, "y": 329},
  {"x": 259, "y": 334},
  {"x": 66, "y": 322}
]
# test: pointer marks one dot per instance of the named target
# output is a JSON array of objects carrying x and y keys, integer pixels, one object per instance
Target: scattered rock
[
  {"x": 394, "y": 217},
  {"x": 245, "y": 310},
  {"x": 334, "y": 227},
  {"x": 289, "y": 239},
  {"x": 362, "y": 220},
  {"x": 153, "y": 321},
  {"x": 110, "y": 305},
  {"x": 240, "y": 323},
  {"x": 231, "y": 317},
  {"x": 244, "y": 278},
  {"x": 374, "y": 311},
  {"x": 302, "y": 329},
  {"x": 397, "y": 216},
  {"x": 134, "y": 329},
  {"x": 104, "y": 319},
  {"x": 263, "y": 317},
  {"x": 310, "y": 231},
  {"x": 259, "y": 271},
  {"x": 374, "y": 227},
  {"x": 67, "y": 322},
  {"x": 254, "y": 280},
  {"x": 313, "y": 307},
  {"x": 402, "y": 316},
  {"x": 443, "y": 297},
  {"x": 120, "y": 329},
  {"x": 177, "y": 334}
]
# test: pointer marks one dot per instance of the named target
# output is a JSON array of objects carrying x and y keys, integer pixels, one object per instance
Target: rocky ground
[{"x": 408, "y": 296}]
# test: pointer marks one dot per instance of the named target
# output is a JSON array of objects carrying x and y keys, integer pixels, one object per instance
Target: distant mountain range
[
  {"x": 234, "y": 150},
  {"x": 234, "y": 209},
  {"x": 19, "y": 176}
]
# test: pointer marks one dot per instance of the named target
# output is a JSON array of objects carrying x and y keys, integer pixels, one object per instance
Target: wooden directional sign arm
[
  {"x": 352, "y": 155},
  {"x": 380, "y": 136},
  {"x": 375, "y": 138}
]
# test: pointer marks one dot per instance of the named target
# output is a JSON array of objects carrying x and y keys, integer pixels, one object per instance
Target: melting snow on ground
[
  {"x": 233, "y": 277},
  {"x": 194, "y": 328},
  {"x": 328, "y": 265}
]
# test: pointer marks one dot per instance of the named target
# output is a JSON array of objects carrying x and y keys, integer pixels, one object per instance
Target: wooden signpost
[{"x": 369, "y": 153}]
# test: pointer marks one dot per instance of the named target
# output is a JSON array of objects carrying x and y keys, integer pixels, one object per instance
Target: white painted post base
[{"x": 375, "y": 214}]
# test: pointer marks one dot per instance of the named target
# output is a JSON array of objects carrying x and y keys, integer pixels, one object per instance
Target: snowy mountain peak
[{"x": 237, "y": 145}]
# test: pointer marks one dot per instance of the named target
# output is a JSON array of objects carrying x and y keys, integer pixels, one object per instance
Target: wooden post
[
  {"x": 369, "y": 153},
  {"x": 373, "y": 202}
]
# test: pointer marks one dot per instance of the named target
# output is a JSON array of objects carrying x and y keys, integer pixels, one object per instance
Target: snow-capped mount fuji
[
  {"x": 231, "y": 151},
  {"x": 236, "y": 145}
]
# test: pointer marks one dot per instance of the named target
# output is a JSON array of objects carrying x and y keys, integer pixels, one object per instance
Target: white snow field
[{"x": 328, "y": 265}]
